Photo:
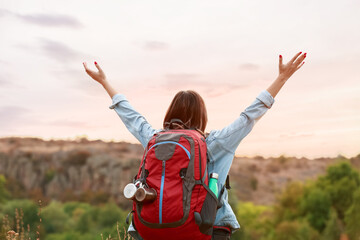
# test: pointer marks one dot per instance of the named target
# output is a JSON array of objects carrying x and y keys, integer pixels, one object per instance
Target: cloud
[
  {"x": 181, "y": 78},
  {"x": 12, "y": 117},
  {"x": 4, "y": 62},
  {"x": 52, "y": 20},
  {"x": 249, "y": 67},
  {"x": 10, "y": 81},
  {"x": 70, "y": 123},
  {"x": 47, "y": 20},
  {"x": 53, "y": 49},
  {"x": 216, "y": 90},
  {"x": 297, "y": 135},
  {"x": 182, "y": 81},
  {"x": 151, "y": 45},
  {"x": 77, "y": 79},
  {"x": 4, "y": 12},
  {"x": 155, "y": 45},
  {"x": 4, "y": 83},
  {"x": 58, "y": 51}
]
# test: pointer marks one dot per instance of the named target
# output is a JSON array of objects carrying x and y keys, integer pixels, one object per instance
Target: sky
[{"x": 149, "y": 50}]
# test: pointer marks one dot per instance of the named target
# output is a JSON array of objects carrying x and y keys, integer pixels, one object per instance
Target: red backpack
[{"x": 174, "y": 165}]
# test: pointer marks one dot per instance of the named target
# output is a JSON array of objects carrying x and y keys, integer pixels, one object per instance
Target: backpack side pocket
[{"x": 206, "y": 217}]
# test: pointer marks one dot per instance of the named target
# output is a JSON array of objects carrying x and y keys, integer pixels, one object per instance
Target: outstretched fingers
[
  {"x": 295, "y": 57},
  {"x": 298, "y": 67},
  {"x": 98, "y": 76},
  {"x": 98, "y": 67},
  {"x": 86, "y": 68},
  {"x": 91, "y": 71},
  {"x": 286, "y": 70},
  {"x": 300, "y": 59}
]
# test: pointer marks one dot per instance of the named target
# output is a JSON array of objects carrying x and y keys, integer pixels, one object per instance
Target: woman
[{"x": 190, "y": 108}]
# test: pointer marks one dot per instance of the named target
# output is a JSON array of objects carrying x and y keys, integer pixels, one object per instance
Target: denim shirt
[{"x": 221, "y": 144}]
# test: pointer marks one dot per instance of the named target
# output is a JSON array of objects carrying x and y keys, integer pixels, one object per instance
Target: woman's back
[{"x": 221, "y": 144}]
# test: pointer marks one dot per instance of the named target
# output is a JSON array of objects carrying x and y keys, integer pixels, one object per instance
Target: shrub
[
  {"x": 54, "y": 218},
  {"x": 4, "y": 193},
  {"x": 254, "y": 183},
  {"x": 253, "y": 220}
]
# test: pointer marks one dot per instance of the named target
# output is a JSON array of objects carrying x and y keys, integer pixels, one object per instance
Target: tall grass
[
  {"x": 126, "y": 235},
  {"x": 20, "y": 233}
]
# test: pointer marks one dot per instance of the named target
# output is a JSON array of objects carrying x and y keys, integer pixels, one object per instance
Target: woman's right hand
[
  {"x": 98, "y": 76},
  {"x": 288, "y": 69},
  {"x": 285, "y": 72}
]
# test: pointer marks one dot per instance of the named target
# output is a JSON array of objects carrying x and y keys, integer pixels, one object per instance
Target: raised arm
[
  {"x": 133, "y": 120},
  {"x": 230, "y": 136}
]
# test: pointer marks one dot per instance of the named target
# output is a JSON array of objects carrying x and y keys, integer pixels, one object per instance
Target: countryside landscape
[
  {"x": 77, "y": 186},
  {"x": 276, "y": 83}
]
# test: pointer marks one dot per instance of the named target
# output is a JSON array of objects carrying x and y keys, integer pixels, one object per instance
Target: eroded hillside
[{"x": 96, "y": 170}]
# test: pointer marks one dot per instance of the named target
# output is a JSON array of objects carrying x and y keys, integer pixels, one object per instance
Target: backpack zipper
[
  {"x": 161, "y": 191},
  {"x": 200, "y": 176}
]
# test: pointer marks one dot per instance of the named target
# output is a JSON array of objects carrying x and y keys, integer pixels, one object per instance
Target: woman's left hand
[{"x": 288, "y": 69}]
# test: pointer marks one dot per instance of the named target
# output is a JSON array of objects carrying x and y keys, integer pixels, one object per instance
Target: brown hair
[{"x": 189, "y": 107}]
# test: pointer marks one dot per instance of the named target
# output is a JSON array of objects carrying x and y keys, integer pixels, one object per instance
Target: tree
[
  {"x": 352, "y": 217},
  {"x": 24, "y": 207},
  {"x": 287, "y": 206},
  {"x": 340, "y": 182},
  {"x": 54, "y": 217},
  {"x": 332, "y": 230},
  {"x": 295, "y": 230},
  {"x": 287, "y": 230},
  {"x": 85, "y": 222},
  {"x": 316, "y": 205},
  {"x": 109, "y": 214}
]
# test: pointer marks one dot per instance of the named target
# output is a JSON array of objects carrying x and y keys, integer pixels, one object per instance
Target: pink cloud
[{"x": 183, "y": 81}]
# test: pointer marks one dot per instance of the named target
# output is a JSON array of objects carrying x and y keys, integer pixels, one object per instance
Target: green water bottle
[{"x": 213, "y": 183}]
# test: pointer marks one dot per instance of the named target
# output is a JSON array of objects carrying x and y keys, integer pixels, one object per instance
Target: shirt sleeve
[
  {"x": 133, "y": 120},
  {"x": 230, "y": 136}
]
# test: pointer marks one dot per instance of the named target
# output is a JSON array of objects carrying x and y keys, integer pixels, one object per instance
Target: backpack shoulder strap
[
  {"x": 227, "y": 184},
  {"x": 174, "y": 122}
]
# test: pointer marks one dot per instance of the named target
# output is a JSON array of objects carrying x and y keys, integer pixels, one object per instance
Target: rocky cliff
[{"x": 96, "y": 170}]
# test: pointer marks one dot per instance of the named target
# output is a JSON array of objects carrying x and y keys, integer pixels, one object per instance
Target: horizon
[
  {"x": 79, "y": 139},
  {"x": 228, "y": 52}
]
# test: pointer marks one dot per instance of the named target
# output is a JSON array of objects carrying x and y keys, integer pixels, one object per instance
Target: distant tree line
[{"x": 323, "y": 209}]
